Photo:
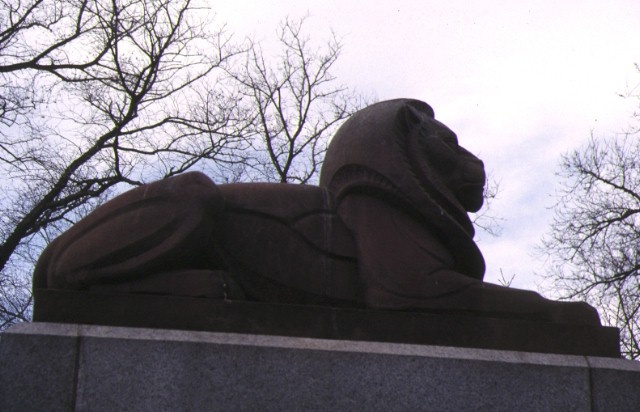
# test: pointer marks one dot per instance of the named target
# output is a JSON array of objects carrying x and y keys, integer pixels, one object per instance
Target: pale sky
[{"x": 520, "y": 82}]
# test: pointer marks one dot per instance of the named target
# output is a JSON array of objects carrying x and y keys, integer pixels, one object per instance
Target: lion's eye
[
  {"x": 450, "y": 139},
  {"x": 440, "y": 153}
]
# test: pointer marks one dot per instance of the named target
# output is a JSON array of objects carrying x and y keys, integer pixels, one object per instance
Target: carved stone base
[{"x": 442, "y": 329}]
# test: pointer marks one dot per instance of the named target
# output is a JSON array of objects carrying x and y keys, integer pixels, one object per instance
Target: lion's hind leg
[{"x": 162, "y": 227}]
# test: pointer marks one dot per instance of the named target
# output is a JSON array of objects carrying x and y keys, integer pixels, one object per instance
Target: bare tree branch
[{"x": 294, "y": 104}]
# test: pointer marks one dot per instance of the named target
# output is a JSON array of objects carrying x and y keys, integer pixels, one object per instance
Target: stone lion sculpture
[{"x": 387, "y": 228}]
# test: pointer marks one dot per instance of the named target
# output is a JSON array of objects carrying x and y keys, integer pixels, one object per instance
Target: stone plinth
[
  {"x": 48, "y": 366},
  {"x": 443, "y": 328}
]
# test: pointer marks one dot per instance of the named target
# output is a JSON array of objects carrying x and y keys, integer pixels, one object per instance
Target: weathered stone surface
[{"x": 116, "y": 368}]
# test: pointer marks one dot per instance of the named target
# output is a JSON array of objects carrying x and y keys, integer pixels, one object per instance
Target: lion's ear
[
  {"x": 407, "y": 118},
  {"x": 412, "y": 113}
]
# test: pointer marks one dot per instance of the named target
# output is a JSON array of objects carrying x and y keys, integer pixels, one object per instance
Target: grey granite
[
  {"x": 97, "y": 368},
  {"x": 38, "y": 367},
  {"x": 616, "y": 385}
]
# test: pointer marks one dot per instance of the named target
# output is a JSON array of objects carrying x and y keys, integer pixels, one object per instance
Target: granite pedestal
[{"x": 47, "y": 366}]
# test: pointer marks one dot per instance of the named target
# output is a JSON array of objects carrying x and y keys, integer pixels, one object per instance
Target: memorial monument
[
  {"x": 386, "y": 229},
  {"x": 362, "y": 293}
]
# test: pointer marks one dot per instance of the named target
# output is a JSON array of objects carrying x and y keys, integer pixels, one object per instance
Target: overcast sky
[{"x": 520, "y": 82}]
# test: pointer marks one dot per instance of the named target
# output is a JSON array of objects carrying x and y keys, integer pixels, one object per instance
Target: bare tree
[
  {"x": 294, "y": 104},
  {"x": 93, "y": 94},
  {"x": 594, "y": 242},
  {"x": 484, "y": 219}
]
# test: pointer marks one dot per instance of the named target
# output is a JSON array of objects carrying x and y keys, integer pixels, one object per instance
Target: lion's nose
[{"x": 473, "y": 172}]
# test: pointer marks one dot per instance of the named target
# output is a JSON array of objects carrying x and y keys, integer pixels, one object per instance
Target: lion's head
[
  {"x": 435, "y": 150},
  {"x": 397, "y": 151},
  {"x": 415, "y": 142}
]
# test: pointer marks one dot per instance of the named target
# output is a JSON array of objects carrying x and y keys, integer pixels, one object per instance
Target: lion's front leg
[
  {"x": 397, "y": 256},
  {"x": 405, "y": 266}
]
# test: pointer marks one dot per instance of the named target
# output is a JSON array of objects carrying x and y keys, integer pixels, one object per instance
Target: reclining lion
[{"x": 387, "y": 228}]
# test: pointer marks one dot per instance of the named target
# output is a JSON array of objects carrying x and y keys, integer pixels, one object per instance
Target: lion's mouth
[{"x": 471, "y": 196}]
